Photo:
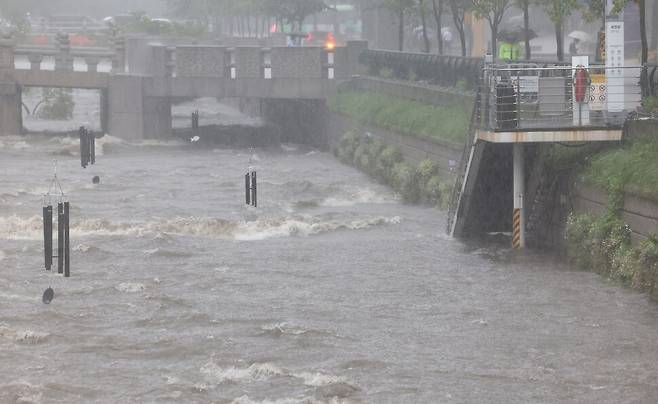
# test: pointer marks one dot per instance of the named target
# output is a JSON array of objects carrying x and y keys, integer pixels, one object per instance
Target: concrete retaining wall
[
  {"x": 639, "y": 213},
  {"x": 445, "y": 155}
]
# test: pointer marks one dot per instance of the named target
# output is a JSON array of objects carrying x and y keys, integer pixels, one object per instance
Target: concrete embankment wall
[
  {"x": 414, "y": 150},
  {"x": 640, "y": 214}
]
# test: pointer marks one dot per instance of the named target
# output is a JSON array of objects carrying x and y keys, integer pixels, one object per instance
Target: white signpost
[{"x": 614, "y": 59}]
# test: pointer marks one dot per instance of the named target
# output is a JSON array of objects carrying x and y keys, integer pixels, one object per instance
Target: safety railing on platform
[
  {"x": 526, "y": 96},
  {"x": 652, "y": 80},
  {"x": 451, "y": 71}
]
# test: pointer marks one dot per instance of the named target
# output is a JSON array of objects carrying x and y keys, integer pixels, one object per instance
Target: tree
[
  {"x": 437, "y": 8},
  {"x": 524, "y": 5},
  {"x": 421, "y": 11},
  {"x": 558, "y": 11},
  {"x": 400, "y": 7},
  {"x": 458, "y": 8},
  {"x": 294, "y": 11},
  {"x": 492, "y": 11}
]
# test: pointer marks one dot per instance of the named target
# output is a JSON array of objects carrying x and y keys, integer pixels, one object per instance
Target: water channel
[{"x": 332, "y": 290}]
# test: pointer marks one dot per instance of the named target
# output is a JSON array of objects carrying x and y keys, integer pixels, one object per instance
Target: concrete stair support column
[{"x": 10, "y": 96}]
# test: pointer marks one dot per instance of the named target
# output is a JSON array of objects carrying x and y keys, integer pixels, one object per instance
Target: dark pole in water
[
  {"x": 247, "y": 189},
  {"x": 84, "y": 148},
  {"x": 67, "y": 247},
  {"x": 60, "y": 238},
  {"x": 254, "y": 189},
  {"x": 48, "y": 236},
  {"x": 92, "y": 147}
]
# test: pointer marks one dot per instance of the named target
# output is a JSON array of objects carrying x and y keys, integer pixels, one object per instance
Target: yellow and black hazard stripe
[{"x": 516, "y": 229}]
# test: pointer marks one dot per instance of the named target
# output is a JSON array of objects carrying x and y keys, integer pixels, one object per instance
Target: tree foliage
[
  {"x": 458, "y": 9},
  {"x": 558, "y": 11},
  {"x": 492, "y": 11}
]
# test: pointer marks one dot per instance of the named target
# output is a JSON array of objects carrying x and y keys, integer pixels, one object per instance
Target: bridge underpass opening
[
  {"x": 62, "y": 110},
  {"x": 214, "y": 112}
]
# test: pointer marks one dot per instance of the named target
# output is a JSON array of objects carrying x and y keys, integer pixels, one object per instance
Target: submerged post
[
  {"x": 60, "y": 238},
  {"x": 67, "y": 247},
  {"x": 250, "y": 188},
  {"x": 254, "y": 188},
  {"x": 91, "y": 138},
  {"x": 48, "y": 236},
  {"x": 87, "y": 147},
  {"x": 247, "y": 189},
  {"x": 518, "y": 221},
  {"x": 84, "y": 147}
]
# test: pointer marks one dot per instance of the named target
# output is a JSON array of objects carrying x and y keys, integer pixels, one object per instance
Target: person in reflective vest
[{"x": 509, "y": 51}]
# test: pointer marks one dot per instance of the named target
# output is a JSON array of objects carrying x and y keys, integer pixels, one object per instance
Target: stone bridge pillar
[
  {"x": 125, "y": 110},
  {"x": 63, "y": 59},
  {"x": 10, "y": 95},
  {"x": 119, "y": 59}
]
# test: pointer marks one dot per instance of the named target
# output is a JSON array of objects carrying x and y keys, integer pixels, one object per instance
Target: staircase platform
[{"x": 550, "y": 135}]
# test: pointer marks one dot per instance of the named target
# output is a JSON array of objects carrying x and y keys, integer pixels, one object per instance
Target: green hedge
[
  {"x": 447, "y": 123},
  {"x": 603, "y": 244},
  {"x": 421, "y": 184}
]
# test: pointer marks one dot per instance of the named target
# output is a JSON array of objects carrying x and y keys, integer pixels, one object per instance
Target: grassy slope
[
  {"x": 633, "y": 168},
  {"x": 447, "y": 123}
]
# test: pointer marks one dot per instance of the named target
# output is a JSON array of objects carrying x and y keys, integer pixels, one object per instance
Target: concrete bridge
[{"x": 137, "y": 91}]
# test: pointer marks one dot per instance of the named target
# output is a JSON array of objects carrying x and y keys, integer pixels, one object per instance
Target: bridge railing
[
  {"x": 527, "y": 97},
  {"x": 63, "y": 56},
  {"x": 252, "y": 62},
  {"x": 451, "y": 71}
]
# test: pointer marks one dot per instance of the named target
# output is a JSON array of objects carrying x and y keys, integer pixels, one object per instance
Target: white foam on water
[
  {"x": 245, "y": 399},
  {"x": 20, "y": 228},
  {"x": 358, "y": 197},
  {"x": 255, "y": 372},
  {"x": 283, "y": 328},
  {"x": 26, "y": 337},
  {"x": 130, "y": 287},
  {"x": 30, "y": 228},
  {"x": 21, "y": 391},
  {"x": 289, "y": 147},
  {"x": 318, "y": 379},
  {"x": 304, "y": 226},
  {"x": 161, "y": 252}
]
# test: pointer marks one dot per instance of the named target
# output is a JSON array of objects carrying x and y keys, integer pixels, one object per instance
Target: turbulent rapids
[{"x": 331, "y": 291}]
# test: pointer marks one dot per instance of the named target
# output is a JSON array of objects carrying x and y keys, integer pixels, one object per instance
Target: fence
[
  {"x": 526, "y": 96},
  {"x": 435, "y": 69}
]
